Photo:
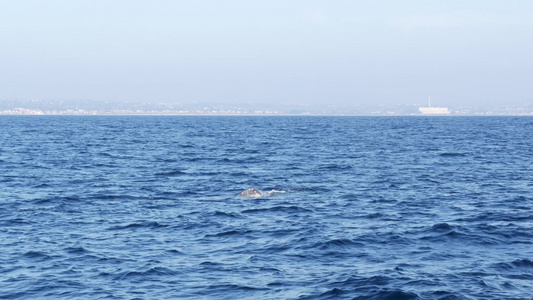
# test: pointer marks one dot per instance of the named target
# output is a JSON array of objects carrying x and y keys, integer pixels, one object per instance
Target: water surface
[{"x": 375, "y": 208}]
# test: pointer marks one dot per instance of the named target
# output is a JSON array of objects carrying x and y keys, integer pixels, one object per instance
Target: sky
[{"x": 335, "y": 52}]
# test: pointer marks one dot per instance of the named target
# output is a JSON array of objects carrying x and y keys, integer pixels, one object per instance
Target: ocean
[{"x": 146, "y": 207}]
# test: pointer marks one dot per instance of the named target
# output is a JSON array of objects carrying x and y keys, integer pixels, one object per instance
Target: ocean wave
[
  {"x": 171, "y": 173},
  {"x": 524, "y": 265},
  {"x": 277, "y": 209},
  {"x": 452, "y": 154},
  {"x": 139, "y": 225},
  {"x": 37, "y": 255},
  {"x": 337, "y": 243},
  {"x": 389, "y": 295},
  {"x": 147, "y": 274}
]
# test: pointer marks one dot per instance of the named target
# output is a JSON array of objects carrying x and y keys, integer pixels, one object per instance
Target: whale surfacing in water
[
  {"x": 252, "y": 193},
  {"x": 257, "y": 193}
]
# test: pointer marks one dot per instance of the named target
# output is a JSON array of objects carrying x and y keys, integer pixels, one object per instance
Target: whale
[{"x": 257, "y": 193}]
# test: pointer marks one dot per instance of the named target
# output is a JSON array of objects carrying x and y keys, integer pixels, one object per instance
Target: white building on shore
[{"x": 433, "y": 110}]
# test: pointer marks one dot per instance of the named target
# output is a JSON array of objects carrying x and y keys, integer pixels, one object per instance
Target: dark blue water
[{"x": 375, "y": 208}]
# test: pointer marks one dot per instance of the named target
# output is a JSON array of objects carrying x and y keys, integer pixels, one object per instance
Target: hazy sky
[{"x": 291, "y": 51}]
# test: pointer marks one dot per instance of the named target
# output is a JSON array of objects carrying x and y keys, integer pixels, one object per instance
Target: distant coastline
[
  {"x": 95, "y": 108},
  {"x": 530, "y": 114}
]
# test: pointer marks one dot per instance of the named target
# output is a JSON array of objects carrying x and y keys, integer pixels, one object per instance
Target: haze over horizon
[{"x": 299, "y": 52}]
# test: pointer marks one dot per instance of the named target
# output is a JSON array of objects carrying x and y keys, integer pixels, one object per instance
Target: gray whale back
[
  {"x": 257, "y": 193},
  {"x": 251, "y": 193}
]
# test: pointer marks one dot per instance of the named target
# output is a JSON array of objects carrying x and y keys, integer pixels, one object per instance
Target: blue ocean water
[{"x": 145, "y": 207}]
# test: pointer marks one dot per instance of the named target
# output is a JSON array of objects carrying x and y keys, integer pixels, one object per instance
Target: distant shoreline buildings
[
  {"x": 433, "y": 110},
  {"x": 89, "y": 107}
]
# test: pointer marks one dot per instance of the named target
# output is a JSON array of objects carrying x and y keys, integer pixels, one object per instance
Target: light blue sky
[{"x": 472, "y": 52}]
